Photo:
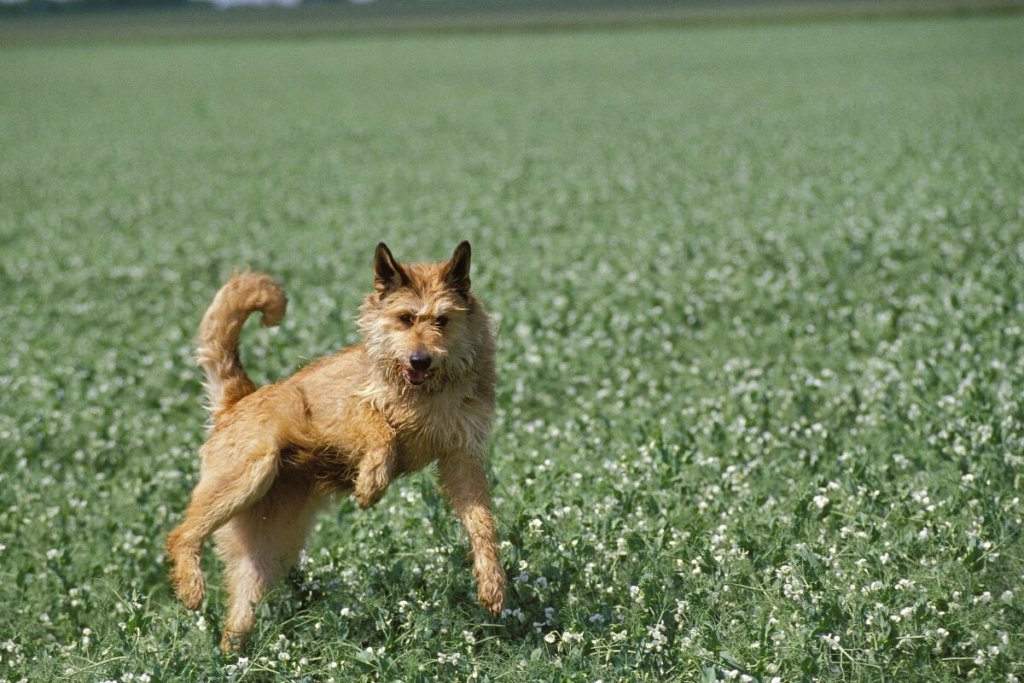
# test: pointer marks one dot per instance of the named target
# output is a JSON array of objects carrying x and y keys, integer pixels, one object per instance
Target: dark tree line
[{"x": 66, "y": 6}]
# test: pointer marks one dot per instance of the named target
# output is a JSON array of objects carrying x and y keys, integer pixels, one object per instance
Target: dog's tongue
[{"x": 415, "y": 376}]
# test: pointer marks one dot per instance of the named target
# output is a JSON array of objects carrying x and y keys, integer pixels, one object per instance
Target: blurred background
[{"x": 84, "y": 19}]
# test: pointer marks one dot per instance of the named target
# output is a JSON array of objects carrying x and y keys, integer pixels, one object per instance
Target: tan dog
[{"x": 418, "y": 389}]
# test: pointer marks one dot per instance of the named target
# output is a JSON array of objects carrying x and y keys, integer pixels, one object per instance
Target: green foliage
[{"x": 762, "y": 394}]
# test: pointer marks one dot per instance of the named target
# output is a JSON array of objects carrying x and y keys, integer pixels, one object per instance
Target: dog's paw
[
  {"x": 232, "y": 642},
  {"x": 186, "y": 574},
  {"x": 491, "y": 593},
  {"x": 366, "y": 499},
  {"x": 371, "y": 486},
  {"x": 188, "y": 584}
]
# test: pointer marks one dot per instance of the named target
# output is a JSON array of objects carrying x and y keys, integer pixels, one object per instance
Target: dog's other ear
[
  {"x": 457, "y": 270},
  {"x": 387, "y": 272}
]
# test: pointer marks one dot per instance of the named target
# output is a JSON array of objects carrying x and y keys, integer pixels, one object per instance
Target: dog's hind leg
[
  {"x": 259, "y": 546},
  {"x": 240, "y": 462},
  {"x": 238, "y": 467}
]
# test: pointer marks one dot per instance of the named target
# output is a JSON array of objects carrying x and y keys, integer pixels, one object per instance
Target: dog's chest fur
[
  {"x": 434, "y": 426},
  {"x": 425, "y": 431}
]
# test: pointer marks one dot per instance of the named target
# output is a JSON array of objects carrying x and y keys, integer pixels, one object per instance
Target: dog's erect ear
[
  {"x": 457, "y": 270},
  {"x": 387, "y": 272}
]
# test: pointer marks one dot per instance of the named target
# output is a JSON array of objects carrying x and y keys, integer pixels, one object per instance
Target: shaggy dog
[{"x": 418, "y": 389}]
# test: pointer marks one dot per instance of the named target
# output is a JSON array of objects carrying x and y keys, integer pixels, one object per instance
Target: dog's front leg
[
  {"x": 379, "y": 449},
  {"x": 376, "y": 470},
  {"x": 464, "y": 481}
]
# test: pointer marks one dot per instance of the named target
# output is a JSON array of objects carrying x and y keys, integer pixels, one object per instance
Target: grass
[{"x": 762, "y": 392}]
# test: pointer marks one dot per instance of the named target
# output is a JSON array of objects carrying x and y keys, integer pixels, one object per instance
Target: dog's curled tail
[{"x": 226, "y": 380}]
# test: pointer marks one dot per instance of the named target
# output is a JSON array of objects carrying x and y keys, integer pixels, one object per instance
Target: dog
[{"x": 418, "y": 389}]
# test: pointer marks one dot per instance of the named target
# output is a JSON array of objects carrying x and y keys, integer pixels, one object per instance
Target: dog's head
[{"x": 423, "y": 327}]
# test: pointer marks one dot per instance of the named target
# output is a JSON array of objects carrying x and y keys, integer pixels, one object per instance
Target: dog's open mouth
[{"x": 415, "y": 377}]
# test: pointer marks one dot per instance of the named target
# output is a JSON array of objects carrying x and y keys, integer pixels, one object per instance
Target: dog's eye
[
  {"x": 442, "y": 320},
  {"x": 406, "y": 320}
]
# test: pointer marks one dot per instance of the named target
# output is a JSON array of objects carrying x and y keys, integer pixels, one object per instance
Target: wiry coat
[{"x": 350, "y": 422}]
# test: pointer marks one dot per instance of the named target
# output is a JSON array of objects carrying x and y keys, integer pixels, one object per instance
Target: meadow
[{"x": 759, "y": 289}]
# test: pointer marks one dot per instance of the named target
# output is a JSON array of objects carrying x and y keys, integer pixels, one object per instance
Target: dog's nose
[{"x": 420, "y": 361}]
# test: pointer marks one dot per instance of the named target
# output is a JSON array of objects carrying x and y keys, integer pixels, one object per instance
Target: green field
[{"x": 761, "y": 303}]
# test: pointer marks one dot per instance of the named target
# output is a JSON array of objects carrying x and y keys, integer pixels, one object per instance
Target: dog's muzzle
[{"x": 418, "y": 369}]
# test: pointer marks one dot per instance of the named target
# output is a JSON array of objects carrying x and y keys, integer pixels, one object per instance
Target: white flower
[{"x": 657, "y": 637}]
